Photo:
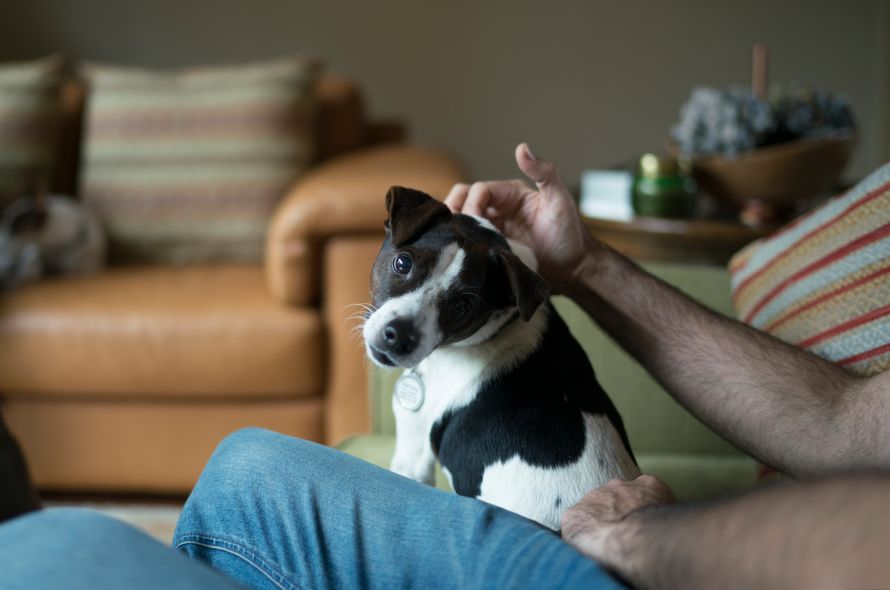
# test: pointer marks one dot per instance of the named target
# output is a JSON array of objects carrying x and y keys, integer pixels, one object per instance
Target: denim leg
[
  {"x": 79, "y": 549},
  {"x": 278, "y": 512}
]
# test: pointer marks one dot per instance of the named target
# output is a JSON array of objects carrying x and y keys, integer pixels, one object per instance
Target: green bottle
[{"x": 661, "y": 188}]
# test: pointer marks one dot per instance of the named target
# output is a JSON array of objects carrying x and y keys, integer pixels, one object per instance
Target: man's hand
[
  {"x": 828, "y": 533},
  {"x": 546, "y": 219},
  {"x": 602, "y": 527}
]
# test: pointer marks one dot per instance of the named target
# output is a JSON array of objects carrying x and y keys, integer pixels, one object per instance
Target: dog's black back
[{"x": 534, "y": 412}]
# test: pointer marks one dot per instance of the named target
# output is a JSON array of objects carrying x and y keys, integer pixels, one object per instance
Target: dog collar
[{"x": 409, "y": 391}]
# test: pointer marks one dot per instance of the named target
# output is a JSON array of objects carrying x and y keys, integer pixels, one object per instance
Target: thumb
[{"x": 542, "y": 172}]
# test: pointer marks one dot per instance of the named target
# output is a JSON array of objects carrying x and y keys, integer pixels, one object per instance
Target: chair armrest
[{"x": 344, "y": 195}]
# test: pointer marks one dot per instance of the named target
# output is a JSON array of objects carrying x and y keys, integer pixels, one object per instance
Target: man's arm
[
  {"x": 789, "y": 408},
  {"x": 822, "y": 534},
  {"x": 785, "y": 406}
]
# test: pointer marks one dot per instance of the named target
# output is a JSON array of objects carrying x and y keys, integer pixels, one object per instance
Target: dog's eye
[
  {"x": 402, "y": 264},
  {"x": 462, "y": 307}
]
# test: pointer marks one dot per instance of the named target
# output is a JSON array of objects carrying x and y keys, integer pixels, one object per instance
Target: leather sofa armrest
[{"x": 344, "y": 195}]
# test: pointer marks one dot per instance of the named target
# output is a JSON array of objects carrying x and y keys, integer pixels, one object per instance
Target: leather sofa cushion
[
  {"x": 141, "y": 446},
  {"x": 156, "y": 331}
]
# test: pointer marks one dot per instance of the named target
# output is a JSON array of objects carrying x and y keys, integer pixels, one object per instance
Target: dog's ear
[
  {"x": 409, "y": 212},
  {"x": 529, "y": 289}
]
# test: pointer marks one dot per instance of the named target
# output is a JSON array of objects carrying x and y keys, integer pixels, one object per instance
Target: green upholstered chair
[{"x": 667, "y": 441}]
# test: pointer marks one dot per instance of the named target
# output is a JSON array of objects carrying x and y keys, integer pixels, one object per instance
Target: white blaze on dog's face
[{"x": 442, "y": 279}]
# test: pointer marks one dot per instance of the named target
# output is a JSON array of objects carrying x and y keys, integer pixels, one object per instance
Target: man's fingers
[
  {"x": 542, "y": 172},
  {"x": 470, "y": 199},
  {"x": 478, "y": 198},
  {"x": 456, "y": 197}
]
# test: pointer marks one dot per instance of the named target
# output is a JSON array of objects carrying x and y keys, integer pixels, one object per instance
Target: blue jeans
[
  {"x": 79, "y": 549},
  {"x": 273, "y": 511}
]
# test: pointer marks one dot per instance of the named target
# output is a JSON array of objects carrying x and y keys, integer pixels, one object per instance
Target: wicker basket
[{"x": 777, "y": 176}]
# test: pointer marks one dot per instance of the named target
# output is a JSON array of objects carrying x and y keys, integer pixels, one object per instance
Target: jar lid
[{"x": 658, "y": 165}]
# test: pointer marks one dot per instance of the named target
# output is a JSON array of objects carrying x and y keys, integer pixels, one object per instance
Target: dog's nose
[{"x": 400, "y": 336}]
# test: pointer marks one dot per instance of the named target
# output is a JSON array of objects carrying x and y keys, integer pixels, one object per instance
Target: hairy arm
[
  {"x": 789, "y": 408},
  {"x": 831, "y": 533}
]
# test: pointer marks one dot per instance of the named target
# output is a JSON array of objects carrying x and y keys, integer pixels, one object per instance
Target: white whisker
[{"x": 360, "y": 314}]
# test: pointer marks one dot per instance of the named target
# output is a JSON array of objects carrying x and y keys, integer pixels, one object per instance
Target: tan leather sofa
[{"x": 125, "y": 381}]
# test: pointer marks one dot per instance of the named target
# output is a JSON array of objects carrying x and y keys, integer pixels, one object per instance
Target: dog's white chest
[
  {"x": 421, "y": 396},
  {"x": 442, "y": 382}
]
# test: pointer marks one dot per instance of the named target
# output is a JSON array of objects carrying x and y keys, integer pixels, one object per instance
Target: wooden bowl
[{"x": 776, "y": 176}]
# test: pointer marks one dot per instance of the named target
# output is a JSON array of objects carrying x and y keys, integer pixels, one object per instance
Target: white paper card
[{"x": 605, "y": 194}]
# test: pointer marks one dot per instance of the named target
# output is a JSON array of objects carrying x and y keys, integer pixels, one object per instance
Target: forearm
[
  {"x": 825, "y": 534},
  {"x": 777, "y": 402}
]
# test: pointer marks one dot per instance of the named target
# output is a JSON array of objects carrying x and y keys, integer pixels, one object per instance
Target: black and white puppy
[{"x": 496, "y": 388}]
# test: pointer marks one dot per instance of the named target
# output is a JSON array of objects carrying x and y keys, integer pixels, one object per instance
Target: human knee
[
  {"x": 257, "y": 457},
  {"x": 249, "y": 471},
  {"x": 255, "y": 447}
]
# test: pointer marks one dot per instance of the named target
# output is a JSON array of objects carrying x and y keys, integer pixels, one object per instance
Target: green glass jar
[{"x": 662, "y": 189}]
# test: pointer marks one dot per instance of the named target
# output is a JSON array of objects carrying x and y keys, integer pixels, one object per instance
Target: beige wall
[{"x": 587, "y": 83}]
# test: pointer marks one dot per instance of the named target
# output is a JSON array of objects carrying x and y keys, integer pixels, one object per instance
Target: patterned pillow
[
  {"x": 186, "y": 167},
  {"x": 823, "y": 282},
  {"x": 29, "y": 124}
]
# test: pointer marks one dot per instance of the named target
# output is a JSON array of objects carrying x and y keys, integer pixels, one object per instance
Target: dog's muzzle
[
  {"x": 395, "y": 341},
  {"x": 400, "y": 337}
]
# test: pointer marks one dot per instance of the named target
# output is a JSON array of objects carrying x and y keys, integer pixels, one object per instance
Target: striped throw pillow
[
  {"x": 823, "y": 282},
  {"x": 29, "y": 124},
  {"x": 188, "y": 166}
]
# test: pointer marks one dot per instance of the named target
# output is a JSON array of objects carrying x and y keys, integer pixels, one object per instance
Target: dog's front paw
[{"x": 413, "y": 470}]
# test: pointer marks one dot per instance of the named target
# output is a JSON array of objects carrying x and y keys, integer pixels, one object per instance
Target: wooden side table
[{"x": 673, "y": 240}]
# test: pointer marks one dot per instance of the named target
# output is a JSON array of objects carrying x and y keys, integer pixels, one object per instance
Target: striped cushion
[
  {"x": 29, "y": 123},
  {"x": 823, "y": 282},
  {"x": 188, "y": 166}
]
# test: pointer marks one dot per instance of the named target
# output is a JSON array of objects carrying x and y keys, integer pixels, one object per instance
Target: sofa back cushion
[
  {"x": 29, "y": 121},
  {"x": 187, "y": 167},
  {"x": 823, "y": 282}
]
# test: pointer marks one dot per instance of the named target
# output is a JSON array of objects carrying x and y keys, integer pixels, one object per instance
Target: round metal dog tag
[{"x": 409, "y": 391}]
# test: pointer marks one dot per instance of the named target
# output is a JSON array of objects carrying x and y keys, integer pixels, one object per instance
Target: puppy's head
[{"x": 441, "y": 279}]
